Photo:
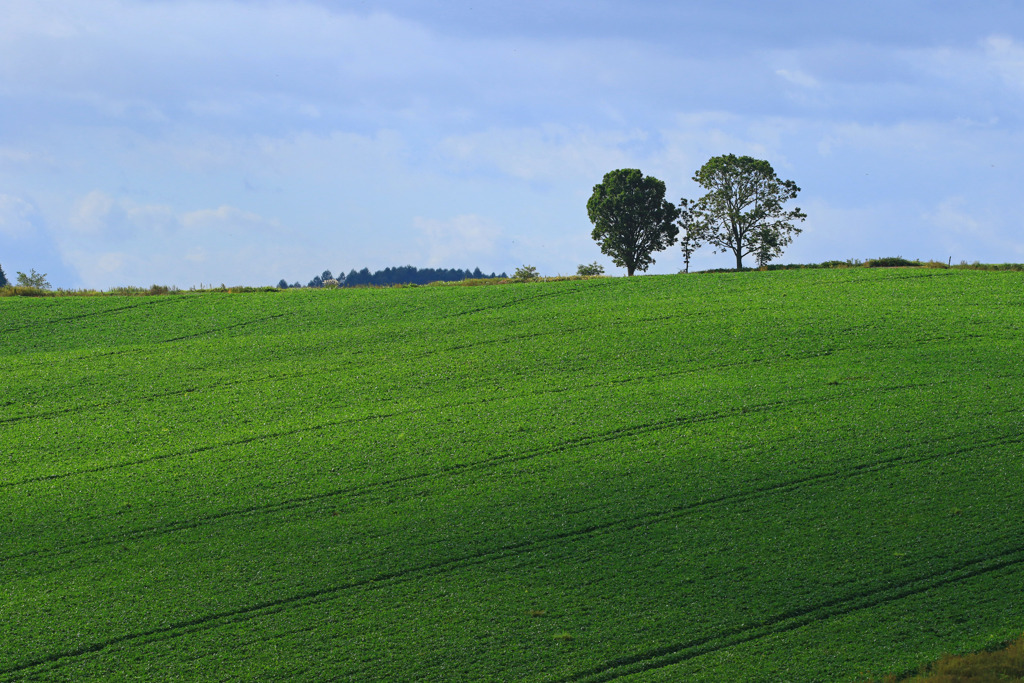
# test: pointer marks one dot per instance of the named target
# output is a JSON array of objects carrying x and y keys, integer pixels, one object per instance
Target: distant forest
[{"x": 400, "y": 275}]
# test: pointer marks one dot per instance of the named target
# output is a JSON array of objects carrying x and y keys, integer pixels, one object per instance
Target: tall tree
[
  {"x": 742, "y": 211},
  {"x": 631, "y": 218},
  {"x": 3, "y": 278}
]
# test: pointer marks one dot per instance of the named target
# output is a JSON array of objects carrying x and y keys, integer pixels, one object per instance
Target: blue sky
[{"x": 216, "y": 141}]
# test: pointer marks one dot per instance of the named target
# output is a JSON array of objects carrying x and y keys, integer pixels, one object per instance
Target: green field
[{"x": 767, "y": 476}]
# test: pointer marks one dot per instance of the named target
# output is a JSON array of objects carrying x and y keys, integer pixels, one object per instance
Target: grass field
[{"x": 792, "y": 476}]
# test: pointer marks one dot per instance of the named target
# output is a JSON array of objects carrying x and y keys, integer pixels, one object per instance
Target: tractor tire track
[
  {"x": 215, "y": 330},
  {"x": 69, "y": 318},
  {"x": 768, "y": 359},
  {"x": 665, "y": 424},
  {"x": 566, "y": 445},
  {"x": 353, "y": 493},
  {"x": 653, "y": 659},
  {"x": 567, "y": 293},
  {"x": 794, "y": 619}
]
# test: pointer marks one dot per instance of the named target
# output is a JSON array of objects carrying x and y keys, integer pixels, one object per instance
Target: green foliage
[
  {"x": 631, "y": 218},
  {"x": 689, "y": 232},
  {"x": 742, "y": 211},
  {"x": 526, "y": 273},
  {"x": 590, "y": 269},
  {"x": 890, "y": 262},
  {"x": 33, "y": 279},
  {"x": 3, "y": 278},
  {"x": 803, "y": 475}
]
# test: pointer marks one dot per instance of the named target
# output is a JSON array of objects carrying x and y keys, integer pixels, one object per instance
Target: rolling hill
[{"x": 793, "y": 475}]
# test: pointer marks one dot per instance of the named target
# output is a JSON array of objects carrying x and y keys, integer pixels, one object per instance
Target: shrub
[
  {"x": 330, "y": 284},
  {"x": 594, "y": 268},
  {"x": 890, "y": 262},
  {"x": 526, "y": 273}
]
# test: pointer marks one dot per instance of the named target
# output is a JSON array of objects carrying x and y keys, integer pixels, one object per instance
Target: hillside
[{"x": 795, "y": 475}]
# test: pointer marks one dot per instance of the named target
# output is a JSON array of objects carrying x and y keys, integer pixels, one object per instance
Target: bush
[
  {"x": 594, "y": 268},
  {"x": 526, "y": 273},
  {"x": 890, "y": 262}
]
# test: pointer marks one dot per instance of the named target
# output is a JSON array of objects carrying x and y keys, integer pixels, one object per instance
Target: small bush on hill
[
  {"x": 890, "y": 262},
  {"x": 594, "y": 268},
  {"x": 525, "y": 273}
]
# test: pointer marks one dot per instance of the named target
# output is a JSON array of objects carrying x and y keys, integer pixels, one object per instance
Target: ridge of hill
[{"x": 793, "y": 475}]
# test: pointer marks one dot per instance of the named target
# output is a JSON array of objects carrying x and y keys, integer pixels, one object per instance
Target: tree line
[
  {"x": 742, "y": 212},
  {"x": 400, "y": 275}
]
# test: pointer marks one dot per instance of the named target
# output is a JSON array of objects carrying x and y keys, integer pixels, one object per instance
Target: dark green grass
[{"x": 797, "y": 475}]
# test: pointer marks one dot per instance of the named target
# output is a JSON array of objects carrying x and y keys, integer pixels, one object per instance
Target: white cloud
[
  {"x": 797, "y": 77},
  {"x": 1006, "y": 57},
  {"x": 457, "y": 239},
  {"x": 18, "y": 218},
  {"x": 965, "y": 233},
  {"x": 99, "y": 215},
  {"x": 548, "y": 153},
  {"x": 115, "y": 241},
  {"x": 227, "y": 218},
  {"x": 92, "y": 212}
]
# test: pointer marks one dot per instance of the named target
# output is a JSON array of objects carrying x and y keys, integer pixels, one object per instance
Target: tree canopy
[
  {"x": 3, "y": 278},
  {"x": 33, "y": 279},
  {"x": 742, "y": 211},
  {"x": 631, "y": 218}
]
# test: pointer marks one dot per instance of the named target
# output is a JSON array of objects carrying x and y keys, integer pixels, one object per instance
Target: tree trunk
[
  {"x": 739, "y": 260},
  {"x": 629, "y": 271}
]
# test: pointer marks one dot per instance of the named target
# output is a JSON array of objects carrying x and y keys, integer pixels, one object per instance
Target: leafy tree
[
  {"x": 33, "y": 279},
  {"x": 631, "y": 218},
  {"x": 594, "y": 268},
  {"x": 282, "y": 284},
  {"x": 742, "y": 211},
  {"x": 689, "y": 233},
  {"x": 524, "y": 273},
  {"x": 326, "y": 275},
  {"x": 3, "y": 278}
]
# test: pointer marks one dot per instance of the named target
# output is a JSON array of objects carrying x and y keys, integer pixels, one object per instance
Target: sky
[{"x": 198, "y": 142}]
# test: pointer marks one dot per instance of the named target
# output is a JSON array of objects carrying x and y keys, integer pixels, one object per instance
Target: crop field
[{"x": 767, "y": 476}]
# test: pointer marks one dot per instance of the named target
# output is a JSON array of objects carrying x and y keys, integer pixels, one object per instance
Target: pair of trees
[{"x": 742, "y": 212}]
